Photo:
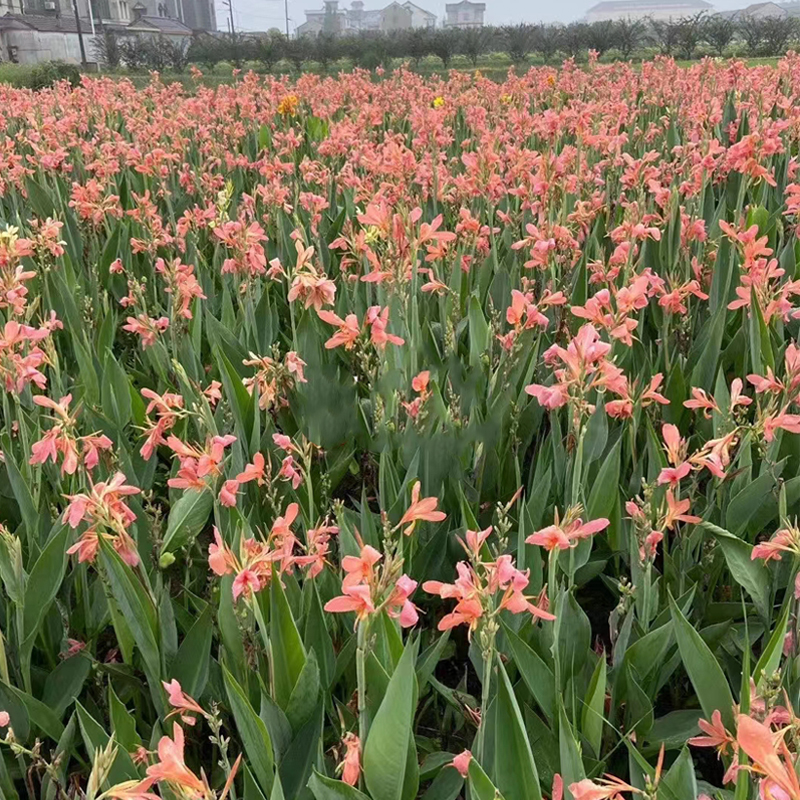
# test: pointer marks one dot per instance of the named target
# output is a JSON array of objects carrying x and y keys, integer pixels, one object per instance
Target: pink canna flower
[
  {"x": 400, "y": 606},
  {"x": 608, "y": 788},
  {"x": 146, "y": 328},
  {"x": 420, "y": 510},
  {"x": 227, "y": 495},
  {"x": 461, "y": 762},
  {"x": 5, "y": 719},
  {"x": 246, "y": 583},
  {"x": 770, "y": 756},
  {"x": 357, "y": 597},
  {"x": 132, "y": 790},
  {"x": 171, "y": 767},
  {"x": 568, "y": 534},
  {"x": 181, "y": 703},
  {"x": 254, "y": 471},
  {"x": 351, "y": 764},
  {"x": 714, "y": 735},
  {"x": 348, "y": 332}
]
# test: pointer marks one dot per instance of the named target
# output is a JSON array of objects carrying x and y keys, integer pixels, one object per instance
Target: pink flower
[
  {"x": 245, "y": 583},
  {"x": 461, "y": 762},
  {"x": 227, "y": 495},
  {"x": 5, "y": 719},
  {"x": 420, "y": 510},
  {"x": 351, "y": 765}
]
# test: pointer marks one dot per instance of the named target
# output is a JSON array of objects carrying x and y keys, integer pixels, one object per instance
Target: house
[
  {"x": 642, "y": 9},
  {"x": 31, "y": 38},
  {"x": 396, "y": 16},
  {"x": 148, "y": 26},
  {"x": 465, "y": 14},
  {"x": 763, "y": 11}
]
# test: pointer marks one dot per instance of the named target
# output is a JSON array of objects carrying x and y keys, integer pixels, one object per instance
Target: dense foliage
[{"x": 404, "y": 438}]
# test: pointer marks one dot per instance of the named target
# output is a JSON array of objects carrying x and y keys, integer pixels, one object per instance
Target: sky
[{"x": 260, "y": 15}]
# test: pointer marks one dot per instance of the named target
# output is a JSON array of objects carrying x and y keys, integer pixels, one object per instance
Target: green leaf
[
  {"x": 39, "y": 714},
  {"x": 190, "y": 666},
  {"x": 287, "y": 653},
  {"x": 679, "y": 781},
  {"x": 605, "y": 487},
  {"x": 123, "y": 724},
  {"x": 479, "y": 332},
  {"x": 390, "y": 732},
  {"x": 537, "y": 675},
  {"x": 95, "y": 738},
  {"x": 592, "y": 719},
  {"x": 750, "y": 574},
  {"x": 65, "y": 682},
  {"x": 328, "y": 789},
  {"x": 253, "y": 733},
  {"x": 305, "y": 694},
  {"x": 44, "y": 581},
  {"x": 480, "y": 786},
  {"x": 187, "y": 517},
  {"x": 514, "y": 767},
  {"x": 770, "y": 657},
  {"x": 136, "y": 605},
  {"x": 704, "y": 671}
]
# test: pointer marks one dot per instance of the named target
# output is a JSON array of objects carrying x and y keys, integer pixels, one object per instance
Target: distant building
[
  {"x": 762, "y": 11},
  {"x": 641, "y": 9},
  {"x": 465, "y": 14},
  {"x": 396, "y": 16},
  {"x": 31, "y": 38}
]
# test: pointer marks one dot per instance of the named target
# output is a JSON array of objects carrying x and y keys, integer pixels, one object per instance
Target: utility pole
[
  {"x": 286, "y": 12},
  {"x": 80, "y": 31}
]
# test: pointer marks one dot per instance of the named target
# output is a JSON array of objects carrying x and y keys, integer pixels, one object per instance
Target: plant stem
[
  {"x": 488, "y": 657},
  {"x": 361, "y": 678}
]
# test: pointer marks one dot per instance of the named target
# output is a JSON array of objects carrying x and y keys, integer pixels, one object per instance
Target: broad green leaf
[
  {"x": 592, "y": 719},
  {"x": 537, "y": 675},
  {"x": 187, "y": 517},
  {"x": 253, "y": 733},
  {"x": 324, "y": 788},
  {"x": 136, "y": 605},
  {"x": 287, "y": 653},
  {"x": 514, "y": 767},
  {"x": 752, "y": 575},
  {"x": 191, "y": 663},
  {"x": 390, "y": 732},
  {"x": 705, "y": 673}
]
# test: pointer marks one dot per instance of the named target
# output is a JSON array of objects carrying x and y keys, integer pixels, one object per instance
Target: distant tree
[
  {"x": 518, "y": 41},
  {"x": 327, "y": 48},
  {"x": 415, "y": 43},
  {"x": 719, "y": 31},
  {"x": 298, "y": 50},
  {"x": 444, "y": 44},
  {"x": 601, "y": 36},
  {"x": 268, "y": 49},
  {"x": 777, "y": 33},
  {"x": 368, "y": 50},
  {"x": 665, "y": 33},
  {"x": 133, "y": 52},
  {"x": 690, "y": 34},
  {"x": 473, "y": 43},
  {"x": 105, "y": 48},
  {"x": 751, "y": 31},
  {"x": 574, "y": 38},
  {"x": 544, "y": 40},
  {"x": 206, "y": 50},
  {"x": 629, "y": 34}
]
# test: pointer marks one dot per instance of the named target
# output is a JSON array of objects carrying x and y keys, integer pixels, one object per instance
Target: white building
[
  {"x": 465, "y": 14},
  {"x": 394, "y": 17},
  {"x": 641, "y": 9}
]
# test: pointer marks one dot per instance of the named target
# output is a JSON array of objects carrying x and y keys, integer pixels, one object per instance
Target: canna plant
[{"x": 412, "y": 437}]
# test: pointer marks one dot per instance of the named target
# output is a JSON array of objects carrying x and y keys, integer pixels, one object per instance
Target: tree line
[{"x": 684, "y": 38}]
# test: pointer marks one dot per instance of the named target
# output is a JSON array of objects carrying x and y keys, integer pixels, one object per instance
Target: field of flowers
[{"x": 390, "y": 437}]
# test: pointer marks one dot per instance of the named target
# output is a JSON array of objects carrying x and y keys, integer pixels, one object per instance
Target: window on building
[{"x": 124, "y": 11}]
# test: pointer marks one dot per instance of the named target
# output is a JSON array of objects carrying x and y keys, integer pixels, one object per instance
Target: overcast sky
[{"x": 260, "y": 15}]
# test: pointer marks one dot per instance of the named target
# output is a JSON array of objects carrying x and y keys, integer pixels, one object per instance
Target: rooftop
[
  {"x": 617, "y": 5},
  {"x": 43, "y": 23},
  {"x": 165, "y": 25}
]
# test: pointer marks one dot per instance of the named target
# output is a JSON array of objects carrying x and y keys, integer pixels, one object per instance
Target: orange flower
[
  {"x": 171, "y": 767},
  {"x": 420, "y": 510},
  {"x": 351, "y": 764}
]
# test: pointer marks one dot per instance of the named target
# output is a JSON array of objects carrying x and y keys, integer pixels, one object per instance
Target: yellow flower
[
  {"x": 438, "y": 102},
  {"x": 505, "y": 98},
  {"x": 288, "y": 105},
  {"x": 551, "y": 79}
]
